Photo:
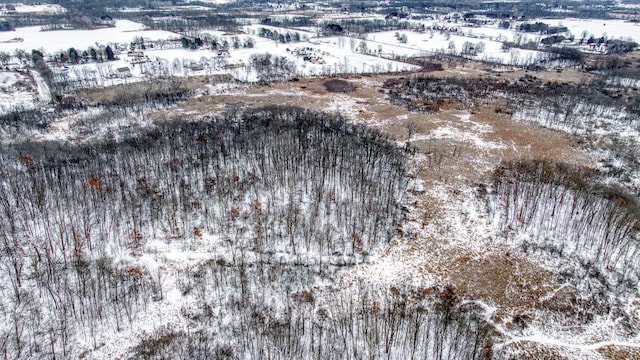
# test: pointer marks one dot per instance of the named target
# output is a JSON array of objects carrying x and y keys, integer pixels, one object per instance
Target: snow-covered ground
[
  {"x": 435, "y": 42},
  {"x": 325, "y": 56},
  {"x": 461, "y": 220},
  {"x": 17, "y": 91},
  {"x": 612, "y": 29},
  {"x": 43, "y": 88},
  {"x": 53, "y": 41},
  {"x": 375, "y": 53}
]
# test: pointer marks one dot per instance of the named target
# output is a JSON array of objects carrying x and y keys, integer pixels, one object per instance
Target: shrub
[{"x": 339, "y": 86}]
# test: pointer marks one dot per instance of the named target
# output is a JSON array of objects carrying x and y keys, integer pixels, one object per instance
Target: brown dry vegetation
[
  {"x": 619, "y": 352},
  {"x": 113, "y": 94},
  {"x": 528, "y": 350}
]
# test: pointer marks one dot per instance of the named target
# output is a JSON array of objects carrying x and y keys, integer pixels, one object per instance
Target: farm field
[{"x": 51, "y": 41}]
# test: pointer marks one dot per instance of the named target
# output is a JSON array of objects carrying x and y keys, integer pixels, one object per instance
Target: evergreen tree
[{"x": 109, "y": 52}]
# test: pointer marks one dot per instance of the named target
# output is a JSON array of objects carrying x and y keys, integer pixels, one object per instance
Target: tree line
[
  {"x": 363, "y": 321},
  {"x": 584, "y": 230},
  {"x": 566, "y": 104}
]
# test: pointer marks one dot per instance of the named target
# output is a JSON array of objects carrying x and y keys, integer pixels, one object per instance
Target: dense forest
[{"x": 277, "y": 198}]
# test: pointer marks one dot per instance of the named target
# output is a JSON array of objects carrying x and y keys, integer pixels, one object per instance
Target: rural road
[{"x": 43, "y": 88}]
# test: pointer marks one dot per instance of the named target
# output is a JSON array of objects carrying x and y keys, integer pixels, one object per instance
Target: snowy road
[{"x": 43, "y": 88}]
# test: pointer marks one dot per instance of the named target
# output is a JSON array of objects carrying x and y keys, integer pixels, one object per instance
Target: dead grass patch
[
  {"x": 528, "y": 350},
  {"x": 515, "y": 282},
  {"x": 112, "y": 93},
  {"x": 616, "y": 352}
]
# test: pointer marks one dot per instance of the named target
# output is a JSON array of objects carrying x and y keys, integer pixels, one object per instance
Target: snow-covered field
[
  {"x": 612, "y": 29},
  {"x": 434, "y": 42},
  {"x": 53, "y": 41}
]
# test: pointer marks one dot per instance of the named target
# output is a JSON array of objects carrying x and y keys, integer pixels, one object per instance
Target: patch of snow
[{"x": 452, "y": 133}]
